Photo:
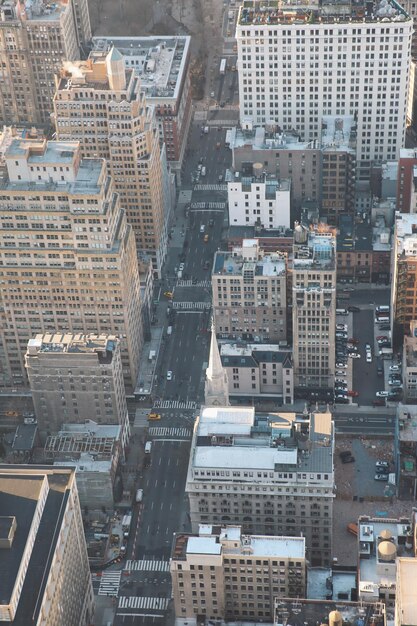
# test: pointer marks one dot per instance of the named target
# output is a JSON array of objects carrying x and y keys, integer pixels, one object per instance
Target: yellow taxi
[
  {"x": 168, "y": 294},
  {"x": 206, "y": 238},
  {"x": 154, "y": 416}
]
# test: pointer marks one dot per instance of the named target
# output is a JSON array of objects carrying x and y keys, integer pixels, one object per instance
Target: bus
[{"x": 223, "y": 66}]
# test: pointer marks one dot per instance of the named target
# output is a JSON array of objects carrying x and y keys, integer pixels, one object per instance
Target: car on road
[
  {"x": 341, "y": 381},
  {"x": 211, "y": 223},
  {"x": 340, "y": 365},
  {"x": 154, "y": 416},
  {"x": 342, "y": 327},
  {"x": 382, "y": 394},
  {"x": 12, "y": 414},
  {"x": 169, "y": 375},
  {"x": 340, "y": 373},
  {"x": 202, "y": 229},
  {"x": 353, "y": 309},
  {"x": 168, "y": 294},
  {"x": 181, "y": 267},
  {"x": 380, "y": 370},
  {"x": 381, "y": 465},
  {"x": 206, "y": 265},
  {"x": 368, "y": 347},
  {"x": 354, "y": 355},
  {"x": 369, "y": 357},
  {"x": 206, "y": 238},
  {"x": 381, "y": 477},
  {"x": 353, "y": 394},
  {"x": 212, "y": 94},
  {"x": 395, "y": 368},
  {"x": 378, "y": 402}
]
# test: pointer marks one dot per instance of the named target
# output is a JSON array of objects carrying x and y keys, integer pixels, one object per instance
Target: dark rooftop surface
[
  {"x": 19, "y": 491},
  {"x": 5, "y": 526},
  {"x": 24, "y": 438},
  {"x": 313, "y": 612}
]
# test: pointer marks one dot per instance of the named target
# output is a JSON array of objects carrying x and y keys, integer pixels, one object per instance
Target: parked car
[
  {"x": 169, "y": 375},
  {"x": 340, "y": 372},
  {"x": 353, "y": 309},
  {"x": 384, "y": 327},
  {"x": 342, "y": 327},
  {"x": 368, "y": 357},
  {"x": 381, "y": 477},
  {"x": 383, "y": 464},
  {"x": 395, "y": 368},
  {"x": 353, "y": 394},
  {"x": 354, "y": 355},
  {"x": 382, "y": 338},
  {"x": 341, "y": 366},
  {"x": 381, "y": 394}
]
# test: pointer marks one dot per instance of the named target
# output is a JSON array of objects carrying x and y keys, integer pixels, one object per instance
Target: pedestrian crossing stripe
[
  {"x": 210, "y": 187},
  {"x": 110, "y": 583},
  {"x": 191, "y": 283},
  {"x": 189, "y": 405},
  {"x": 135, "y": 602},
  {"x": 147, "y": 566},
  {"x": 169, "y": 432},
  {"x": 191, "y": 305}
]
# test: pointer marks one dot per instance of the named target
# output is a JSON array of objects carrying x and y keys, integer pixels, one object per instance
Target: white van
[
  {"x": 342, "y": 312},
  {"x": 382, "y": 309},
  {"x": 148, "y": 447},
  {"x": 202, "y": 228},
  {"x": 139, "y": 495}
]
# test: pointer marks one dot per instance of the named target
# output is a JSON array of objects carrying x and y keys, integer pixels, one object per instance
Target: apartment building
[
  {"x": 406, "y": 592},
  {"x": 407, "y": 181},
  {"x": 250, "y": 293},
  {"x": 101, "y": 104},
  {"x": 162, "y": 64},
  {"x": 409, "y": 365},
  {"x": 73, "y": 378},
  {"x": 288, "y": 60},
  {"x": 314, "y": 307},
  {"x": 381, "y": 543},
  {"x": 68, "y": 256},
  {"x": 321, "y": 171},
  {"x": 272, "y": 474},
  {"x": 35, "y": 38},
  {"x": 223, "y": 573},
  {"x": 258, "y": 370},
  {"x": 45, "y": 573},
  {"x": 259, "y": 200},
  {"x": 406, "y": 452},
  {"x": 403, "y": 274}
]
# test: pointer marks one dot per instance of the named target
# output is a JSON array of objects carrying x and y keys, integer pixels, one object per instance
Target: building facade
[
  {"x": 314, "y": 308},
  {"x": 68, "y": 255},
  {"x": 288, "y": 59},
  {"x": 407, "y": 181},
  {"x": 409, "y": 365},
  {"x": 250, "y": 293},
  {"x": 162, "y": 64},
  {"x": 259, "y": 370},
  {"x": 74, "y": 378},
  {"x": 35, "y": 38},
  {"x": 403, "y": 275},
  {"x": 253, "y": 470},
  {"x": 223, "y": 573},
  {"x": 100, "y": 103},
  {"x": 259, "y": 200},
  {"x": 46, "y": 576}
]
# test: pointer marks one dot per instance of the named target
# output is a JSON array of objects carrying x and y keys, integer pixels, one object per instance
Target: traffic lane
[
  {"x": 370, "y": 296},
  {"x": 365, "y": 379},
  {"x": 176, "y": 349}
]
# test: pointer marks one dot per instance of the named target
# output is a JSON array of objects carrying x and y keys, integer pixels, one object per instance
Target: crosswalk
[
  {"x": 175, "y": 404},
  {"x": 191, "y": 306},
  {"x": 190, "y": 283},
  {"x": 148, "y": 566},
  {"x": 210, "y": 187},
  {"x": 149, "y": 603},
  {"x": 183, "y": 433},
  {"x": 208, "y": 205},
  {"x": 110, "y": 583}
]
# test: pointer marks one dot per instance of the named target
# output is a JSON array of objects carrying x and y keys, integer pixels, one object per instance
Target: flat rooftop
[
  {"x": 407, "y": 590},
  {"x": 312, "y": 612},
  {"x": 251, "y": 354},
  {"x": 101, "y": 345},
  {"x": 261, "y": 138},
  {"x": 315, "y": 250},
  {"x": 410, "y": 349},
  {"x": 232, "y": 265},
  {"x": 273, "y": 13},
  {"x": 160, "y": 62},
  {"x": 34, "y": 10},
  {"x": 407, "y": 415},
  {"x": 21, "y": 488},
  {"x": 338, "y": 133},
  {"x": 406, "y": 233},
  {"x": 271, "y": 185}
]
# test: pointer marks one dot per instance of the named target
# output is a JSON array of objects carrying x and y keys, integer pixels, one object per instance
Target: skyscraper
[
  {"x": 314, "y": 307},
  {"x": 35, "y": 38},
  {"x": 297, "y": 63},
  {"x": 101, "y": 104},
  {"x": 68, "y": 256}
]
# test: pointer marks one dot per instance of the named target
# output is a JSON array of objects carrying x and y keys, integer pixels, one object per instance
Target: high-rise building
[
  {"x": 100, "y": 103},
  {"x": 272, "y": 474},
  {"x": 77, "y": 377},
  {"x": 43, "y": 558},
  {"x": 35, "y": 38},
  {"x": 406, "y": 596},
  {"x": 297, "y": 64},
  {"x": 407, "y": 181},
  {"x": 259, "y": 199},
  {"x": 403, "y": 274},
  {"x": 162, "y": 64},
  {"x": 68, "y": 256},
  {"x": 250, "y": 293},
  {"x": 314, "y": 307},
  {"x": 211, "y": 573}
]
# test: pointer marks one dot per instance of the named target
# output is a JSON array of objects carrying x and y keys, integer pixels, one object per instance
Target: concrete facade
[
  {"x": 403, "y": 274},
  {"x": 162, "y": 64},
  {"x": 269, "y": 473},
  {"x": 74, "y": 378},
  {"x": 409, "y": 366},
  {"x": 287, "y": 61},
  {"x": 100, "y": 103},
  {"x": 223, "y": 573},
  {"x": 46, "y": 576},
  {"x": 250, "y": 293},
  {"x": 314, "y": 308},
  {"x": 35, "y": 38},
  {"x": 62, "y": 225}
]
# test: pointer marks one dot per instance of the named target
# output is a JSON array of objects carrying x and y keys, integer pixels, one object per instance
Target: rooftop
[
  {"x": 410, "y": 349},
  {"x": 314, "y": 249},
  {"x": 74, "y": 440},
  {"x": 33, "y": 10},
  {"x": 272, "y": 185},
  {"x": 313, "y": 612},
  {"x": 101, "y": 345},
  {"x": 236, "y": 438},
  {"x": 26, "y": 491},
  {"x": 407, "y": 590},
  {"x": 406, "y": 233},
  {"x": 160, "y": 62},
  {"x": 249, "y": 259},
  {"x": 407, "y": 417},
  {"x": 250, "y": 355},
  {"x": 25, "y": 437},
  {"x": 272, "y": 13},
  {"x": 267, "y": 138},
  {"x": 338, "y": 133}
]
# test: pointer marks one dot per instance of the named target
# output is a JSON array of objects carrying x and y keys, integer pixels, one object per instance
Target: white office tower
[{"x": 298, "y": 62}]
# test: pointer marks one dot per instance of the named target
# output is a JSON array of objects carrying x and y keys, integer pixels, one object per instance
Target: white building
[
  {"x": 259, "y": 200},
  {"x": 212, "y": 573},
  {"x": 406, "y": 600},
  {"x": 269, "y": 473},
  {"x": 305, "y": 61}
]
